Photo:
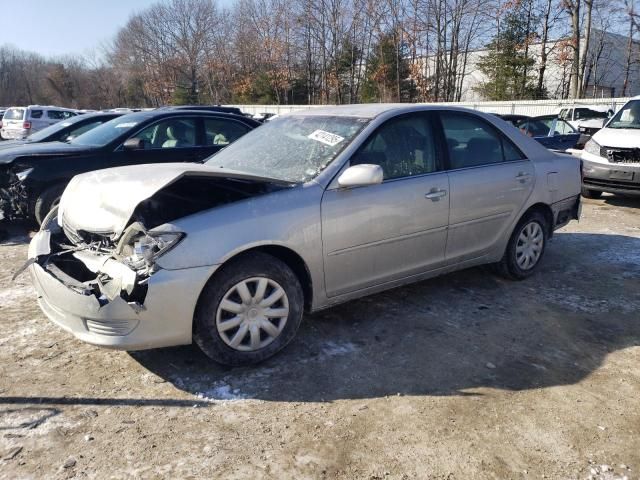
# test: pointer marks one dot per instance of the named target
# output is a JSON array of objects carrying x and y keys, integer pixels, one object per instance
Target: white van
[
  {"x": 587, "y": 119},
  {"x": 611, "y": 159},
  {"x": 20, "y": 122}
]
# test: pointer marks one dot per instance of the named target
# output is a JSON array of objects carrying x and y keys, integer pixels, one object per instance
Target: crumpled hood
[
  {"x": 34, "y": 150},
  {"x": 618, "y": 137},
  {"x": 103, "y": 201}
]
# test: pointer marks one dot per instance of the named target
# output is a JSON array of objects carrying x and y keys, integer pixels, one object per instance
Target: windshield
[
  {"x": 587, "y": 113},
  {"x": 627, "y": 117},
  {"x": 43, "y": 134},
  {"x": 14, "y": 114},
  {"x": 109, "y": 131},
  {"x": 291, "y": 148}
]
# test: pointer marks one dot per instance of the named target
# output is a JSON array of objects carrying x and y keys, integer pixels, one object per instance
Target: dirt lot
[{"x": 466, "y": 376}]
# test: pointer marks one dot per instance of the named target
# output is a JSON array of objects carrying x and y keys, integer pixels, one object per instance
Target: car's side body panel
[
  {"x": 485, "y": 201},
  {"x": 383, "y": 232}
]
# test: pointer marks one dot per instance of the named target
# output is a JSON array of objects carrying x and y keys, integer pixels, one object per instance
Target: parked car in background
[
  {"x": 512, "y": 118},
  {"x": 551, "y": 131},
  {"x": 312, "y": 209},
  {"x": 586, "y": 119},
  {"x": 20, "y": 122},
  {"x": 611, "y": 159},
  {"x": 33, "y": 176},
  {"x": 65, "y": 130},
  {"x": 207, "y": 108},
  {"x": 2, "y": 110}
]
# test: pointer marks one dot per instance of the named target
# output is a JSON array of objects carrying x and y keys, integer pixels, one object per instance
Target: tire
[
  {"x": 510, "y": 265},
  {"x": 219, "y": 341},
  {"x": 46, "y": 201},
  {"x": 588, "y": 193}
]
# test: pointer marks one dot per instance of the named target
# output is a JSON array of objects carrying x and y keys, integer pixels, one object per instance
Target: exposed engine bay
[
  {"x": 109, "y": 266},
  {"x": 13, "y": 196}
]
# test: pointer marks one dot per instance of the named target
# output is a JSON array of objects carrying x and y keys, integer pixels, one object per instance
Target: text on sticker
[{"x": 330, "y": 139}]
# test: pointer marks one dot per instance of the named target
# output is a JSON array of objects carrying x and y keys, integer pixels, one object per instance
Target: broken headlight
[
  {"x": 592, "y": 147},
  {"x": 151, "y": 245}
]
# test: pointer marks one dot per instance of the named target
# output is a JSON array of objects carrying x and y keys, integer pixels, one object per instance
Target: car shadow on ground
[
  {"x": 446, "y": 336},
  {"x": 16, "y": 233},
  {"x": 622, "y": 201}
]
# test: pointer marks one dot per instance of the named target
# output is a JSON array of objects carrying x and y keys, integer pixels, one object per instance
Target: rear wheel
[
  {"x": 525, "y": 248},
  {"x": 249, "y": 310},
  {"x": 47, "y": 200},
  {"x": 588, "y": 193}
]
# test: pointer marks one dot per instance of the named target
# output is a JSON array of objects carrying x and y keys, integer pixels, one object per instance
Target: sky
[{"x": 61, "y": 27}]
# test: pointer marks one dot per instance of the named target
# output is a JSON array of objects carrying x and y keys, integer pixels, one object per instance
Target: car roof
[
  {"x": 168, "y": 113},
  {"x": 372, "y": 110}
]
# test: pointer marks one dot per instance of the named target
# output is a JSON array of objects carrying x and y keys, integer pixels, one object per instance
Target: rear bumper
[
  {"x": 14, "y": 134},
  {"x": 610, "y": 177},
  {"x": 566, "y": 210},
  {"x": 165, "y": 319}
]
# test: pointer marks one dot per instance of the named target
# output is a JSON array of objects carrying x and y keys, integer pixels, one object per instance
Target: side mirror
[
  {"x": 361, "y": 175},
  {"x": 134, "y": 144}
]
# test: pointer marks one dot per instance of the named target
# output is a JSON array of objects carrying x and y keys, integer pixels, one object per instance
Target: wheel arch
[
  {"x": 286, "y": 255},
  {"x": 545, "y": 210}
]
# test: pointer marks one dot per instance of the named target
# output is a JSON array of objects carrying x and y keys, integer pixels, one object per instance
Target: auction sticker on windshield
[{"x": 327, "y": 138}]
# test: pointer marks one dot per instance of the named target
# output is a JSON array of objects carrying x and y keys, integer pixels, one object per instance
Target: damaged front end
[
  {"x": 95, "y": 264},
  {"x": 14, "y": 203}
]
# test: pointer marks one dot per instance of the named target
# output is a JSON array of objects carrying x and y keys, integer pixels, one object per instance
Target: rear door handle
[
  {"x": 435, "y": 195},
  {"x": 523, "y": 177}
]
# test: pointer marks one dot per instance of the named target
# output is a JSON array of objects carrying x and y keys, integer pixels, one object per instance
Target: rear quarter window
[
  {"x": 35, "y": 114},
  {"x": 56, "y": 115}
]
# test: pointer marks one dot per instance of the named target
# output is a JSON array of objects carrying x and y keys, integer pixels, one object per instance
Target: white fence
[{"x": 522, "y": 107}]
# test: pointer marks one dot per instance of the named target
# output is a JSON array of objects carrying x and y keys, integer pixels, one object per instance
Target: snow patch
[
  {"x": 333, "y": 349},
  {"x": 16, "y": 294}
]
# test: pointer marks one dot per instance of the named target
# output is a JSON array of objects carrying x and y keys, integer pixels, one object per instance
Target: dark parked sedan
[
  {"x": 551, "y": 131},
  {"x": 65, "y": 130},
  {"x": 33, "y": 177}
]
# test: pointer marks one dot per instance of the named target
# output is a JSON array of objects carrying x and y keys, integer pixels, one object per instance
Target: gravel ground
[{"x": 464, "y": 376}]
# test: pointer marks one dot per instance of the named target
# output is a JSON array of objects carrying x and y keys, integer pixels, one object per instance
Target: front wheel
[
  {"x": 47, "y": 201},
  {"x": 525, "y": 248},
  {"x": 249, "y": 310}
]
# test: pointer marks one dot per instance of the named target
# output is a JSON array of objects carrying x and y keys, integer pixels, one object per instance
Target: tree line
[{"x": 323, "y": 51}]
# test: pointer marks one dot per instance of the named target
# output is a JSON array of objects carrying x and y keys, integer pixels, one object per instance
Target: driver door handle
[{"x": 435, "y": 195}]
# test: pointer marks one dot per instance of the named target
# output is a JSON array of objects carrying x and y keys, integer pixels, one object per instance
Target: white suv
[{"x": 20, "y": 122}]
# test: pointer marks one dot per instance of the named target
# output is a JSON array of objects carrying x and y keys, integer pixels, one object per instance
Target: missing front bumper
[{"x": 166, "y": 319}]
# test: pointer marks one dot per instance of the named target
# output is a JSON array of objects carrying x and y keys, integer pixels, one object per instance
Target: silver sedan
[{"x": 312, "y": 209}]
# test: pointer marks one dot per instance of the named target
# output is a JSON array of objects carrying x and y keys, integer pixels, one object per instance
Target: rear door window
[
  {"x": 473, "y": 142},
  {"x": 223, "y": 132}
]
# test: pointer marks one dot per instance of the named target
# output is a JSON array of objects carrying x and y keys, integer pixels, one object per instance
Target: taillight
[{"x": 26, "y": 125}]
